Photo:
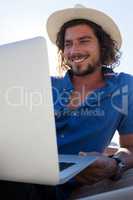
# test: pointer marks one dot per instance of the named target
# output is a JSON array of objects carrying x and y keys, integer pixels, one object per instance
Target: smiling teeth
[{"x": 78, "y": 60}]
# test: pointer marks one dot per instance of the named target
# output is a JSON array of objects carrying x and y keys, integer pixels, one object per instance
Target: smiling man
[
  {"x": 82, "y": 50},
  {"x": 91, "y": 101}
]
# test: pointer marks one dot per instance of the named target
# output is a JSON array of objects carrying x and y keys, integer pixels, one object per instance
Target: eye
[
  {"x": 84, "y": 41},
  {"x": 67, "y": 45}
]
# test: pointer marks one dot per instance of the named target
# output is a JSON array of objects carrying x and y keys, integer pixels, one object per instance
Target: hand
[{"x": 103, "y": 167}]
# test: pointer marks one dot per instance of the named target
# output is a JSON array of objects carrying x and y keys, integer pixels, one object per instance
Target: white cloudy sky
[{"x": 27, "y": 18}]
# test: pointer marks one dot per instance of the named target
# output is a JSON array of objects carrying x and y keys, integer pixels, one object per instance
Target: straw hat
[{"x": 58, "y": 18}]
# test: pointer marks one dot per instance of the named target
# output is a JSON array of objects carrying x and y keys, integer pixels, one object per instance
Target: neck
[{"x": 90, "y": 81}]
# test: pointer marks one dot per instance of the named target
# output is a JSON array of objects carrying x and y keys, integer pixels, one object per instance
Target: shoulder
[
  {"x": 124, "y": 79},
  {"x": 57, "y": 82},
  {"x": 118, "y": 78},
  {"x": 56, "y": 79},
  {"x": 62, "y": 82},
  {"x": 121, "y": 82},
  {"x": 126, "y": 84}
]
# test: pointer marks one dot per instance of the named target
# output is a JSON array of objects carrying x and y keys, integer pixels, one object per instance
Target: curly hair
[{"x": 110, "y": 53}]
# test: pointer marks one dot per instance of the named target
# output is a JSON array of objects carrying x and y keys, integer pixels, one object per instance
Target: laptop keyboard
[{"x": 64, "y": 165}]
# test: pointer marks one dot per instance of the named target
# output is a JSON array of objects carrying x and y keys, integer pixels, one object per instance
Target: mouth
[{"x": 79, "y": 59}]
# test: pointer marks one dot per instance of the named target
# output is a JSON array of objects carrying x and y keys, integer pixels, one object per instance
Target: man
[{"x": 91, "y": 101}]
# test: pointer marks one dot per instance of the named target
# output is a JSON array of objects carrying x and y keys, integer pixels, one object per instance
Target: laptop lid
[{"x": 28, "y": 150}]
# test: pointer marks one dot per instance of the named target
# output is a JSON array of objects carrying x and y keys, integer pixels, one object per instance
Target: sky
[{"x": 27, "y": 19}]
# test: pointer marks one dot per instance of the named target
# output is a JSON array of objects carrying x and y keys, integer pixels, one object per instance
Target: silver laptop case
[{"x": 28, "y": 149}]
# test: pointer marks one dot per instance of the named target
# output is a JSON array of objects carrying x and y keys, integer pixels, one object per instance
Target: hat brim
[{"x": 58, "y": 18}]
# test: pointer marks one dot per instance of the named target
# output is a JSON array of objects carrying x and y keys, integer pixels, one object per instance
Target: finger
[
  {"x": 81, "y": 153},
  {"x": 87, "y": 180},
  {"x": 93, "y": 153}
]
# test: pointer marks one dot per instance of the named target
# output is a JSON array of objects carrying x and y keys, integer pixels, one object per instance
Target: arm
[
  {"x": 125, "y": 152},
  {"x": 106, "y": 167}
]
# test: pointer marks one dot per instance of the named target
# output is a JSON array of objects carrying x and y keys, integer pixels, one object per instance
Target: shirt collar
[
  {"x": 109, "y": 74},
  {"x": 110, "y": 79}
]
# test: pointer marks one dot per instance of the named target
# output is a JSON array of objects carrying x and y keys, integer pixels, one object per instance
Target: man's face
[{"x": 81, "y": 50}]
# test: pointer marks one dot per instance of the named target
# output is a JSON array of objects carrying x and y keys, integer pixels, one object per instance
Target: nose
[{"x": 75, "y": 48}]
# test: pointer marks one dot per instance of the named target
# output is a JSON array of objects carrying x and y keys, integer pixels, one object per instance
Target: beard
[{"x": 89, "y": 69}]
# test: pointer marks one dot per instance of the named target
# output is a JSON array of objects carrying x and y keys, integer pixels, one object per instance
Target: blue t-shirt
[{"x": 91, "y": 126}]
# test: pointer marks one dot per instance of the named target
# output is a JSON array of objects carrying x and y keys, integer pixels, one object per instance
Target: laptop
[{"x": 28, "y": 145}]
